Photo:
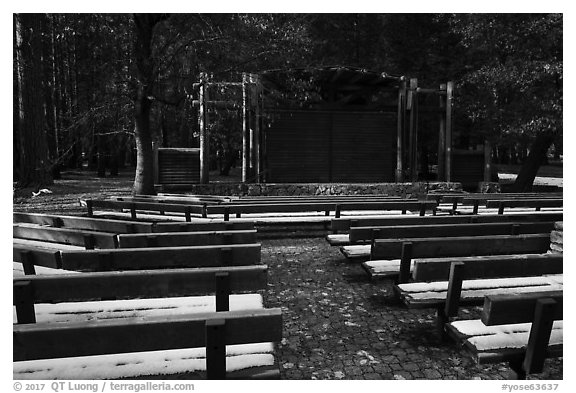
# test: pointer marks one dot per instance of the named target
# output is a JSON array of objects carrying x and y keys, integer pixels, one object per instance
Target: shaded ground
[{"x": 337, "y": 324}]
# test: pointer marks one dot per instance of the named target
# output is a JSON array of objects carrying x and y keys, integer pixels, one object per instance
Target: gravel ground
[
  {"x": 337, "y": 323},
  {"x": 340, "y": 325}
]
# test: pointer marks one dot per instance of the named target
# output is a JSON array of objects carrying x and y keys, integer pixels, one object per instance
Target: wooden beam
[
  {"x": 489, "y": 266},
  {"x": 400, "y": 131},
  {"x": 178, "y": 239},
  {"x": 141, "y": 284},
  {"x": 442, "y": 136},
  {"x": 159, "y": 257},
  {"x": 517, "y": 308},
  {"x": 245, "y": 129},
  {"x": 204, "y": 134},
  {"x": 449, "y": 104},
  {"x": 48, "y": 340},
  {"x": 462, "y": 246},
  {"x": 62, "y": 235},
  {"x": 454, "y": 229}
]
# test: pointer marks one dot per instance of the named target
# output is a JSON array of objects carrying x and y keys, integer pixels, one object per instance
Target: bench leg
[
  {"x": 215, "y": 349},
  {"x": 518, "y": 369},
  {"x": 441, "y": 320}
]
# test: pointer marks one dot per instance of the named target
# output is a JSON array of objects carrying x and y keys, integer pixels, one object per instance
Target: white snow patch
[
  {"x": 357, "y": 250},
  {"x": 490, "y": 338},
  {"x": 440, "y": 286},
  {"x": 337, "y": 239},
  {"x": 386, "y": 266},
  {"x": 18, "y": 270},
  {"x": 142, "y": 363},
  {"x": 115, "y": 309}
]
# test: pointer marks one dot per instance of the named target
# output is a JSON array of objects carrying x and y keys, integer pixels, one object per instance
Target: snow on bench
[{"x": 432, "y": 294}]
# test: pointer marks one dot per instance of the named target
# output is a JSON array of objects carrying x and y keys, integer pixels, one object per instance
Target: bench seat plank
[
  {"x": 338, "y": 239},
  {"x": 357, "y": 251},
  {"x": 176, "y": 363},
  {"x": 433, "y": 294},
  {"x": 495, "y": 344}
]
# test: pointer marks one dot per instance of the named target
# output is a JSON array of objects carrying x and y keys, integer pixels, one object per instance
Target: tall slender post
[
  {"x": 245, "y": 128},
  {"x": 204, "y": 136},
  {"x": 487, "y": 161},
  {"x": 413, "y": 104},
  {"x": 257, "y": 119},
  {"x": 442, "y": 135},
  {"x": 400, "y": 130},
  {"x": 449, "y": 103},
  {"x": 156, "y": 163}
]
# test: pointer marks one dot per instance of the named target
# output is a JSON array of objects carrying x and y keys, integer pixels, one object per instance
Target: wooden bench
[
  {"x": 344, "y": 224},
  {"x": 178, "y": 239},
  {"x": 83, "y": 223},
  {"x": 139, "y": 284},
  {"x": 88, "y": 239},
  {"x": 143, "y": 258},
  {"x": 213, "y": 330},
  {"x": 521, "y": 329},
  {"x": 475, "y": 199},
  {"x": 135, "y": 206},
  {"x": 338, "y": 207},
  {"x": 104, "y": 297},
  {"x": 30, "y": 257},
  {"x": 530, "y": 203},
  {"x": 367, "y": 234},
  {"x": 464, "y": 281},
  {"x": 409, "y": 248}
]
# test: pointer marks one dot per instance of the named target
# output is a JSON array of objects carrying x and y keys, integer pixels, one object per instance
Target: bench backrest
[
  {"x": 489, "y": 266},
  {"x": 161, "y": 257},
  {"x": 134, "y": 206},
  {"x": 462, "y": 246},
  {"x": 76, "y": 237},
  {"x": 344, "y": 224},
  {"x": 142, "y": 284},
  {"x": 517, "y": 308},
  {"x": 362, "y": 234},
  {"x": 159, "y": 227},
  {"x": 501, "y": 204},
  {"x": 178, "y": 239},
  {"x": 83, "y": 223}
]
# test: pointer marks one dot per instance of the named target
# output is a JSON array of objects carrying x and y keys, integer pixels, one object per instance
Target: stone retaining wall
[{"x": 271, "y": 189}]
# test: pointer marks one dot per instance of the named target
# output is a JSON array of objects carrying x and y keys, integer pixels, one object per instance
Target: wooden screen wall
[{"x": 330, "y": 146}]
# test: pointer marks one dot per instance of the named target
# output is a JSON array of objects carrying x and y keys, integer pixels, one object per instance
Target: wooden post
[
  {"x": 222, "y": 291},
  {"x": 156, "y": 163},
  {"x": 442, "y": 136},
  {"x": 405, "y": 262},
  {"x": 24, "y": 299},
  {"x": 539, "y": 336},
  {"x": 257, "y": 130},
  {"x": 449, "y": 103},
  {"x": 413, "y": 106},
  {"x": 27, "y": 260},
  {"x": 400, "y": 130},
  {"x": 215, "y": 349},
  {"x": 487, "y": 161},
  {"x": 204, "y": 135},
  {"x": 454, "y": 289},
  {"x": 245, "y": 128}
]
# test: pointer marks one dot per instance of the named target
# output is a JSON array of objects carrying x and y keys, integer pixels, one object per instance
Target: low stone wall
[{"x": 266, "y": 189}]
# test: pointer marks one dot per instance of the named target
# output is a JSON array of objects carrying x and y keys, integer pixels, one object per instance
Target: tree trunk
[
  {"x": 533, "y": 162},
  {"x": 34, "y": 164},
  {"x": 144, "y": 27}
]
